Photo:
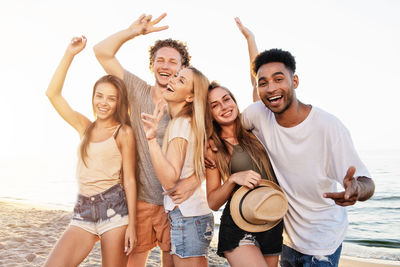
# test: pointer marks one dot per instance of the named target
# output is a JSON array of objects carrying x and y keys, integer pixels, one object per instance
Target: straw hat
[{"x": 258, "y": 209}]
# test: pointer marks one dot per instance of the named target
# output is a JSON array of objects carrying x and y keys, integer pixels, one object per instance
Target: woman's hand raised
[
  {"x": 150, "y": 122},
  {"x": 76, "y": 45}
]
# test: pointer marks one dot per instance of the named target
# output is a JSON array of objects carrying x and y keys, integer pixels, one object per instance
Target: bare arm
[
  {"x": 74, "y": 118},
  {"x": 168, "y": 167},
  {"x": 184, "y": 189},
  {"x": 126, "y": 144},
  {"x": 356, "y": 189},
  {"x": 253, "y": 52},
  {"x": 106, "y": 50},
  {"x": 218, "y": 194}
]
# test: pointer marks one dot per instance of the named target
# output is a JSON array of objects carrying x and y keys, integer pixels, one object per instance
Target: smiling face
[
  {"x": 180, "y": 87},
  {"x": 167, "y": 62},
  {"x": 224, "y": 110},
  {"x": 275, "y": 85},
  {"x": 105, "y": 100}
]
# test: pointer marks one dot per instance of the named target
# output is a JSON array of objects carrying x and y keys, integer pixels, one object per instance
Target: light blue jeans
[
  {"x": 293, "y": 258},
  {"x": 190, "y": 236}
]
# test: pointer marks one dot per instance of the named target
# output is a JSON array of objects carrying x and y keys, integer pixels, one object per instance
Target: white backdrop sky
[{"x": 347, "y": 56}]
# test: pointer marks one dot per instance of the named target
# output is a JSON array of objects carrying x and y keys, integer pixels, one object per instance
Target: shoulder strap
[{"x": 116, "y": 131}]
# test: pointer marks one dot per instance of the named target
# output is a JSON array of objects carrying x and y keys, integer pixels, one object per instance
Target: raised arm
[
  {"x": 253, "y": 52},
  {"x": 74, "y": 118},
  {"x": 106, "y": 50},
  {"x": 168, "y": 167}
]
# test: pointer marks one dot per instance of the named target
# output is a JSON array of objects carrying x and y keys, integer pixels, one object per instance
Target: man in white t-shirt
[{"x": 311, "y": 152}]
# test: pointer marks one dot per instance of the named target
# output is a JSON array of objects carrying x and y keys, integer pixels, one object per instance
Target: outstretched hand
[
  {"x": 352, "y": 191},
  {"x": 144, "y": 24},
  {"x": 150, "y": 122},
  {"x": 245, "y": 31},
  {"x": 76, "y": 45}
]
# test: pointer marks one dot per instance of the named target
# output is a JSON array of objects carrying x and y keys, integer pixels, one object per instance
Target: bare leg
[
  {"x": 138, "y": 259},
  {"x": 72, "y": 248},
  {"x": 167, "y": 260},
  {"x": 192, "y": 261},
  {"x": 112, "y": 248},
  {"x": 272, "y": 261},
  {"x": 246, "y": 255}
]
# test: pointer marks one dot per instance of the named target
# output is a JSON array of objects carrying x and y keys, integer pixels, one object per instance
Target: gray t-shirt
[{"x": 139, "y": 95}]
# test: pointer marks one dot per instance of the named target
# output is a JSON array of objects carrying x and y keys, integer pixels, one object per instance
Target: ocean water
[{"x": 374, "y": 225}]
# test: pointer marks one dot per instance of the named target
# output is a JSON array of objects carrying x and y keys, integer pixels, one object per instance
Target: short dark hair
[
  {"x": 178, "y": 45},
  {"x": 274, "y": 55}
]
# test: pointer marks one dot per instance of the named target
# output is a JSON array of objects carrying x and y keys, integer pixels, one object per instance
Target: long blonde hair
[
  {"x": 121, "y": 114},
  {"x": 246, "y": 139},
  {"x": 196, "y": 111}
]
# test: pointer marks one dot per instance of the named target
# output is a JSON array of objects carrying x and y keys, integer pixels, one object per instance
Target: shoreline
[{"x": 28, "y": 232}]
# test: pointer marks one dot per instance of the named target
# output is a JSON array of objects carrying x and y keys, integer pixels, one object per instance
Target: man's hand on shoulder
[{"x": 209, "y": 161}]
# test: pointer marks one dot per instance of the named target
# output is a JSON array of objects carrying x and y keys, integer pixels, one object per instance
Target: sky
[{"x": 347, "y": 55}]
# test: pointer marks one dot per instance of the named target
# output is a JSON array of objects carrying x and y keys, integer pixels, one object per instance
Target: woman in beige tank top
[{"x": 105, "y": 209}]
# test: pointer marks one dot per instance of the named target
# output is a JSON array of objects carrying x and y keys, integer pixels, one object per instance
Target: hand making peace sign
[
  {"x": 150, "y": 122},
  {"x": 144, "y": 25}
]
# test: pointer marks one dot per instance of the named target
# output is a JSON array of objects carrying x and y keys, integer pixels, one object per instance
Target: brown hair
[
  {"x": 121, "y": 114},
  {"x": 177, "y": 45},
  {"x": 246, "y": 139}
]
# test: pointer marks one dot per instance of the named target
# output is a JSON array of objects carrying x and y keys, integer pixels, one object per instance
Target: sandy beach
[{"x": 28, "y": 233}]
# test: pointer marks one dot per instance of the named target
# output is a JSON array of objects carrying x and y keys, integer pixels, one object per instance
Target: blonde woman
[
  {"x": 182, "y": 156},
  {"x": 105, "y": 209}
]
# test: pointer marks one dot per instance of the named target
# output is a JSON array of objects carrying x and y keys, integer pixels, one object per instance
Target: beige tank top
[{"x": 103, "y": 166}]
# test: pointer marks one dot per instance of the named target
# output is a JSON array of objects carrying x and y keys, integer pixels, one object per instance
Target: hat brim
[{"x": 238, "y": 219}]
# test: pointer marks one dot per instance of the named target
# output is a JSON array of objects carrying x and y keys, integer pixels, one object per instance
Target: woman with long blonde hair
[
  {"x": 182, "y": 156},
  {"x": 106, "y": 205}
]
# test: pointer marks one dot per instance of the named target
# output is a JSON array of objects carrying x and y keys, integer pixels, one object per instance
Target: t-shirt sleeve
[
  {"x": 135, "y": 86},
  {"x": 180, "y": 128},
  {"x": 249, "y": 116},
  {"x": 344, "y": 155}
]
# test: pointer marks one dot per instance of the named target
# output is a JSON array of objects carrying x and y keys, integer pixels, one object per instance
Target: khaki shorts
[{"x": 152, "y": 227}]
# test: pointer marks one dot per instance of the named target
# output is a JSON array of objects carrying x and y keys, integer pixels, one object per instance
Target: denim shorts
[
  {"x": 100, "y": 213},
  {"x": 293, "y": 258},
  {"x": 190, "y": 236}
]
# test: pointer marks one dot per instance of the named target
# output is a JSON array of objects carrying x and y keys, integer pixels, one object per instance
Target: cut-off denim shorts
[
  {"x": 190, "y": 236},
  {"x": 100, "y": 213}
]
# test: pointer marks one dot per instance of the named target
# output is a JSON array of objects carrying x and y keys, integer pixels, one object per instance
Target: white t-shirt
[
  {"x": 196, "y": 204},
  {"x": 309, "y": 159}
]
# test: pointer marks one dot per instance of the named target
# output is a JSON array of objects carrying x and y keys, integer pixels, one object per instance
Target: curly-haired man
[{"x": 167, "y": 57}]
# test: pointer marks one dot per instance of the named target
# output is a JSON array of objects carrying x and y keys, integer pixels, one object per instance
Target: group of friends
[{"x": 275, "y": 166}]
